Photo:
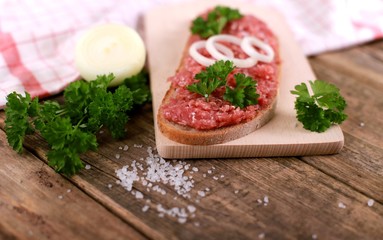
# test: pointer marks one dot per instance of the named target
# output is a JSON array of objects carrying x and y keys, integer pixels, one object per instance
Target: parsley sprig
[
  {"x": 215, "y": 22},
  {"x": 215, "y": 76},
  {"x": 70, "y": 128},
  {"x": 319, "y": 111}
]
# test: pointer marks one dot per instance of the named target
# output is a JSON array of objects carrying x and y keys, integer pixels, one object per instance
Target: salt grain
[
  {"x": 314, "y": 236},
  {"x": 182, "y": 220},
  {"x": 370, "y": 202},
  {"x": 215, "y": 178},
  {"x": 266, "y": 199},
  {"x": 145, "y": 208},
  {"x": 126, "y": 147},
  {"x": 236, "y": 191},
  {"x": 209, "y": 171},
  {"x": 110, "y": 186},
  {"x": 341, "y": 205},
  {"x": 201, "y": 193},
  {"x": 60, "y": 197},
  {"x": 361, "y": 124},
  {"x": 222, "y": 176},
  {"x": 195, "y": 169},
  {"x": 87, "y": 167},
  {"x": 69, "y": 190},
  {"x": 191, "y": 208},
  {"x": 158, "y": 170},
  {"x": 120, "y": 148},
  {"x": 196, "y": 224},
  {"x": 261, "y": 235},
  {"x": 118, "y": 156}
]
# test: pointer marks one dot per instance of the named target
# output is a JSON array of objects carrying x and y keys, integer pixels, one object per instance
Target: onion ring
[
  {"x": 247, "y": 46},
  {"x": 241, "y": 63},
  {"x": 205, "y": 61}
]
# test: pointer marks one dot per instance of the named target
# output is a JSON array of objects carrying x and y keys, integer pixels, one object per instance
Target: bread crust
[{"x": 191, "y": 136}]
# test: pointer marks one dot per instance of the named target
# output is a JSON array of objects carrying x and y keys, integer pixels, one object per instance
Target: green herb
[
  {"x": 244, "y": 93},
  {"x": 319, "y": 111},
  {"x": 214, "y": 23},
  {"x": 70, "y": 128},
  {"x": 215, "y": 76}
]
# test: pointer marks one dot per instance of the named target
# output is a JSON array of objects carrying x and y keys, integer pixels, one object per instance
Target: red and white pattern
[{"x": 37, "y": 37}]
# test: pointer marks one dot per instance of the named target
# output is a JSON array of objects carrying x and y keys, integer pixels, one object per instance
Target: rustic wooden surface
[{"x": 304, "y": 192}]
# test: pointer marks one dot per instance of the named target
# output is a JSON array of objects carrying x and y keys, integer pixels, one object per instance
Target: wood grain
[
  {"x": 304, "y": 192},
  {"x": 37, "y": 203}
]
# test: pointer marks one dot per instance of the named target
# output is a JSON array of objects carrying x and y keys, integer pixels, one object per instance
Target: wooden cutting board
[{"x": 166, "y": 33}]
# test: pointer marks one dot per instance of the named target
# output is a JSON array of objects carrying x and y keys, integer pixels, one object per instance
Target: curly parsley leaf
[
  {"x": 70, "y": 128},
  {"x": 79, "y": 94},
  {"x": 215, "y": 22},
  {"x": 139, "y": 86},
  {"x": 244, "y": 93},
  {"x": 67, "y": 143},
  {"x": 317, "y": 112},
  {"x": 213, "y": 77},
  {"x": 110, "y": 110},
  {"x": 17, "y": 123}
]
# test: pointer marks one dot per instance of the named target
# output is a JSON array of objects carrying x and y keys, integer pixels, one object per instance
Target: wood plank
[
  {"x": 283, "y": 135},
  {"x": 37, "y": 203},
  {"x": 300, "y": 197},
  {"x": 359, "y": 165}
]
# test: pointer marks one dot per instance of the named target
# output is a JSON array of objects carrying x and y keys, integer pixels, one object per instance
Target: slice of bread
[{"x": 192, "y": 136}]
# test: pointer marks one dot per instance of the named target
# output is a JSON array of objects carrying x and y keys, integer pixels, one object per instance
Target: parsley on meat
[
  {"x": 214, "y": 23},
  {"x": 215, "y": 76},
  {"x": 319, "y": 111},
  {"x": 70, "y": 128},
  {"x": 244, "y": 93}
]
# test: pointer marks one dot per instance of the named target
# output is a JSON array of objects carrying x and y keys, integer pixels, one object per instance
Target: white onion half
[
  {"x": 110, "y": 48},
  {"x": 211, "y": 44},
  {"x": 247, "y": 46},
  {"x": 205, "y": 61}
]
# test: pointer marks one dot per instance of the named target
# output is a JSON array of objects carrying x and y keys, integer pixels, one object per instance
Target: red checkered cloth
[{"x": 37, "y": 37}]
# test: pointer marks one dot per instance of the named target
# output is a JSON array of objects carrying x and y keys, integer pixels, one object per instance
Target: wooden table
[{"x": 324, "y": 197}]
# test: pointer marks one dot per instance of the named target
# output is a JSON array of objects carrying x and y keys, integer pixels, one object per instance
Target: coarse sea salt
[
  {"x": 156, "y": 170},
  {"x": 370, "y": 202},
  {"x": 87, "y": 167},
  {"x": 139, "y": 195},
  {"x": 341, "y": 205},
  {"x": 201, "y": 193},
  {"x": 145, "y": 208}
]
